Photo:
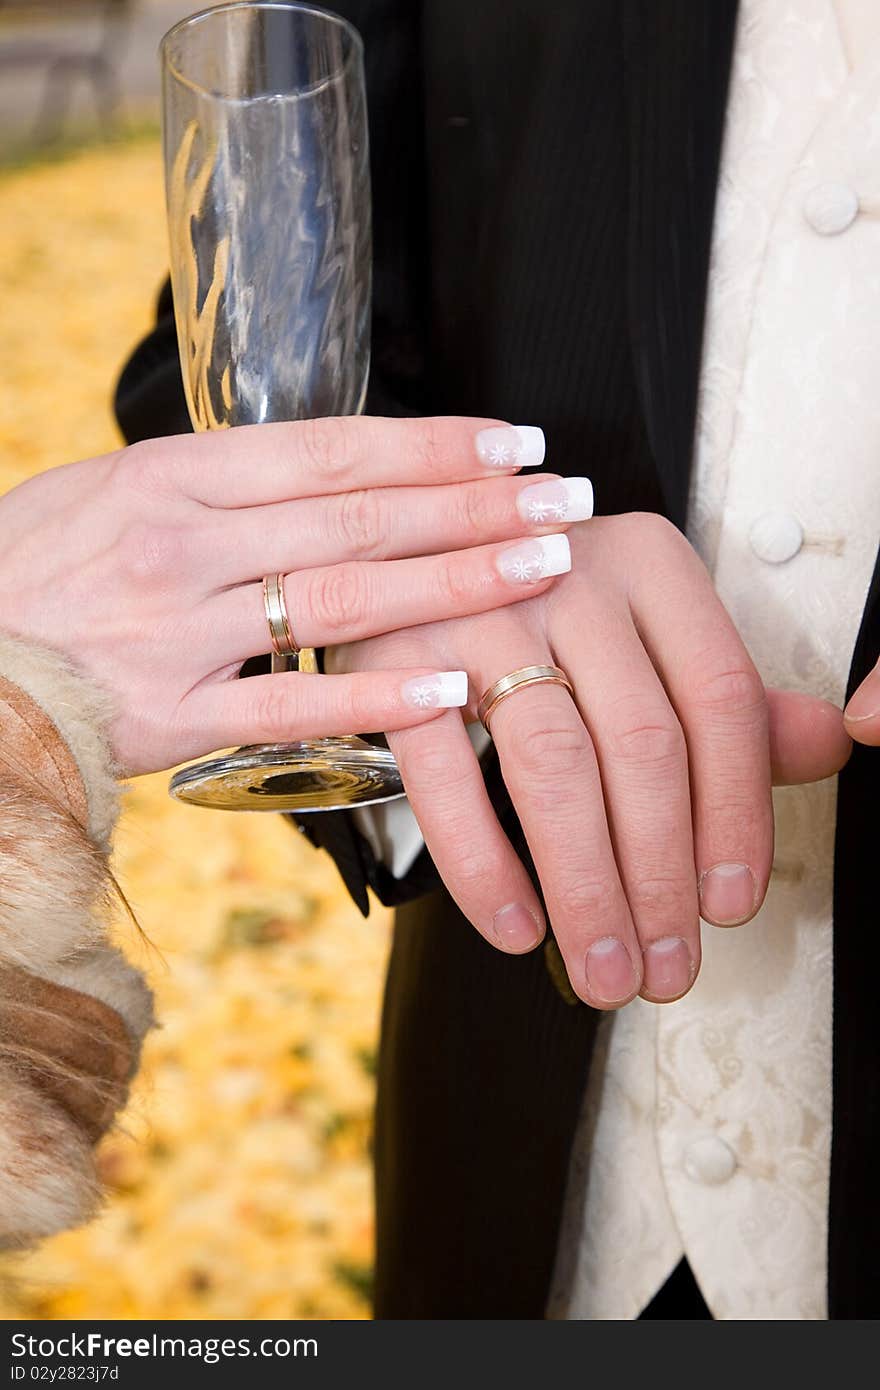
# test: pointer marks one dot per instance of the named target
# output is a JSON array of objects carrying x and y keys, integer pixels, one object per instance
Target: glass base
[{"x": 326, "y": 774}]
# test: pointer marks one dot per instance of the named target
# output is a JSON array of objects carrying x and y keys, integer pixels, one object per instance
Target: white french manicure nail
[
  {"x": 556, "y": 499},
  {"x": 445, "y": 690},
  {"x": 531, "y": 561},
  {"x": 511, "y": 446}
]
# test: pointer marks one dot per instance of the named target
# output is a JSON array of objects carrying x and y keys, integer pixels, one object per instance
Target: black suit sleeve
[{"x": 149, "y": 400}]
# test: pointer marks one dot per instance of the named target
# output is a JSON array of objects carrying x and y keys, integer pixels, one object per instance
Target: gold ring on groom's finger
[
  {"x": 283, "y": 641},
  {"x": 518, "y": 680}
]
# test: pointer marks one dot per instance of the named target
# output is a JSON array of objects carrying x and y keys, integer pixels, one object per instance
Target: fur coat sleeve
[{"x": 73, "y": 1012}]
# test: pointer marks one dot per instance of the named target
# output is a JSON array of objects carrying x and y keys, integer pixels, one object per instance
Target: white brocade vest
[{"x": 707, "y": 1124}]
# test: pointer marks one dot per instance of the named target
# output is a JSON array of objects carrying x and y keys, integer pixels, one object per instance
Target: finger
[
  {"x": 721, "y": 704},
  {"x": 252, "y": 465},
  {"x": 550, "y": 769},
  {"x": 476, "y": 860},
  {"x": 345, "y": 603},
  {"x": 808, "y": 740},
  {"x": 862, "y": 714},
  {"x": 289, "y": 705},
  {"x": 642, "y": 757},
  {"x": 390, "y": 523}
]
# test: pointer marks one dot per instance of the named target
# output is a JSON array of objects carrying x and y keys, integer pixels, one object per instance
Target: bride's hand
[{"x": 145, "y": 568}]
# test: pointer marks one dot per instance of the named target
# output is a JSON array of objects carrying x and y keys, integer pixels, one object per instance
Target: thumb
[
  {"x": 862, "y": 714},
  {"x": 808, "y": 740}
]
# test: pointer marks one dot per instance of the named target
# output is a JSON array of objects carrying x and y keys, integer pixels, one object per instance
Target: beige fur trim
[
  {"x": 105, "y": 974},
  {"x": 47, "y": 1171},
  {"x": 53, "y": 881},
  {"x": 81, "y": 712},
  {"x": 54, "y": 899}
]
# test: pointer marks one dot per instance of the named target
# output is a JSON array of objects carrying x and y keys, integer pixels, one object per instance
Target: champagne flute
[{"x": 268, "y": 191}]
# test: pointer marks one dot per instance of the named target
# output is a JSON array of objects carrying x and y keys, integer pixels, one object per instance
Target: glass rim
[{"x": 285, "y": 6}]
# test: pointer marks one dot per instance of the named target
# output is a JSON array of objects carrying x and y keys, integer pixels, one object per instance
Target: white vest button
[
  {"x": 776, "y": 537},
  {"x": 710, "y": 1161},
  {"x": 830, "y": 208}
]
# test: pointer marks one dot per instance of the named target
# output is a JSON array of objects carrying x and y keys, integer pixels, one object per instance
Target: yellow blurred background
[{"x": 238, "y": 1181}]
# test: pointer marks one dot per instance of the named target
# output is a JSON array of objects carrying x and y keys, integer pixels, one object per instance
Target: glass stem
[{"x": 306, "y": 661}]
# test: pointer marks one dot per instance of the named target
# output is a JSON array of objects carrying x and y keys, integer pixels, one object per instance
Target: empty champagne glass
[{"x": 268, "y": 192}]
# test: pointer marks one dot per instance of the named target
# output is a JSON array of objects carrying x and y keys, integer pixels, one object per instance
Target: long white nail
[
  {"x": 511, "y": 446},
  {"x": 445, "y": 690},
  {"x": 531, "y": 561},
  {"x": 556, "y": 499}
]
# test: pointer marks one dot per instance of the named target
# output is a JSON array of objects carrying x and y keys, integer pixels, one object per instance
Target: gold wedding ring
[
  {"x": 518, "y": 680},
  {"x": 283, "y": 642}
]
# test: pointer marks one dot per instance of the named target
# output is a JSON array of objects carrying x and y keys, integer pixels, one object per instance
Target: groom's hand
[{"x": 645, "y": 798}]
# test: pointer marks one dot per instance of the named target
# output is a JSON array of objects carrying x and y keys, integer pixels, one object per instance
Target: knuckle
[
  {"x": 595, "y": 900},
  {"x": 738, "y": 691},
  {"x": 338, "y": 601},
  {"x": 150, "y": 552},
  {"x": 143, "y": 470},
  {"x": 136, "y": 460},
  {"x": 399, "y": 650},
  {"x": 651, "y": 526},
  {"x": 132, "y": 464},
  {"x": 153, "y": 467},
  {"x": 737, "y": 812},
  {"x": 476, "y": 513},
  {"x": 546, "y": 750},
  {"x": 476, "y": 869},
  {"x": 359, "y": 523},
  {"x": 453, "y": 582},
  {"x": 664, "y": 899},
  {"x": 649, "y": 742},
  {"x": 434, "y": 456},
  {"x": 436, "y": 764},
  {"x": 352, "y": 710},
  {"x": 325, "y": 445},
  {"x": 664, "y": 557},
  {"x": 274, "y": 711}
]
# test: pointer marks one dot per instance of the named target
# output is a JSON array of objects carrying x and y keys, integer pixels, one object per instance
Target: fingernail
[
  {"x": 516, "y": 929},
  {"x": 610, "y": 971},
  {"x": 668, "y": 968},
  {"x": 531, "y": 561},
  {"x": 446, "y": 690},
  {"x": 865, "y": 704},
  {"x": 556, "y": 499},
  {"x": 511, "y": 446},
  {"x": 727, "y": 894}
]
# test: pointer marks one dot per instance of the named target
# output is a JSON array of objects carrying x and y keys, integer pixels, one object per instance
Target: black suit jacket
[{"x": 544, "y": 182}]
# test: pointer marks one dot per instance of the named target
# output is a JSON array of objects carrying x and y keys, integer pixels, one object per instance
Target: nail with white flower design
[
  {"x": 511, "y": 446},
  {"x": 556, "y": 499},
  {"x": 531, "y": 561},
  {"x": 445, "y": 690}
]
